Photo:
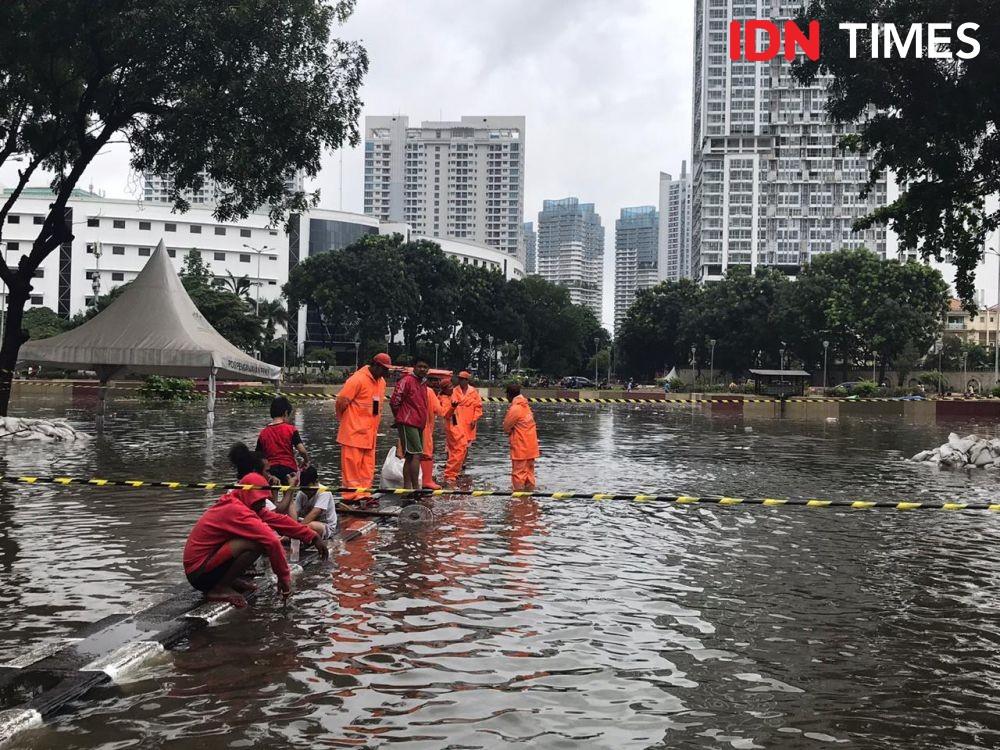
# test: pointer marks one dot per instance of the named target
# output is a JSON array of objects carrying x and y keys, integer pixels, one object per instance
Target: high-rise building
[
  {"x": 675, "y": 226},
  {"x": 636, "y": 256},
  {"x": 156, "y": 188},
  {"x": 448, "y": 179},
  {"x": 570, "y": 250},
  {"x": 530, "y": 240},
  {"x": 771, "y": 185}
]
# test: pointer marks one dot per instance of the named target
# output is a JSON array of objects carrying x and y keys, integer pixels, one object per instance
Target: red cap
[
  {"x": 249, "y": 497},
  {"x": 382, "y": 359},
  {"x": 464, "y": 375}
]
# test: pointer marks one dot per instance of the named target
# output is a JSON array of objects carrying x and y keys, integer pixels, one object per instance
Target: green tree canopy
[
  {"x": 245, "y": 92},
  {"x": 934, "y": 124}
]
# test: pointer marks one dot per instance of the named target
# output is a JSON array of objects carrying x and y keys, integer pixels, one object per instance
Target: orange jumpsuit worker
[
  {"x": 471, "y": 408},
  {"x": 456, "y": 439},
  {"x": 460, "y": 430},
  {"x": 359, "y": 411},
  {"x": 437, "y": 406},
  {"x": 519, "y": 424}
]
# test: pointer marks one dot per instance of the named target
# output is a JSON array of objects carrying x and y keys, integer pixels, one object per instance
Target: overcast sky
[{"x": 605, "y": 86}]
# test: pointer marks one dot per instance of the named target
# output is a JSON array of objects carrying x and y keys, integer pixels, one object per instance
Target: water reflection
[{"x": 544, "y": 623}]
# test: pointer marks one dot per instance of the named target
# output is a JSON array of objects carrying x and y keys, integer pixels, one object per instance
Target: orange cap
[
  {"x": 382, "y": 359},
  {"x": 464, "y": 375}
]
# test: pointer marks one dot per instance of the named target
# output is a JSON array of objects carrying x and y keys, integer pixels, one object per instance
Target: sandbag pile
[
  {"x": 969, "y": 452},
  {"x": 39, "y": 430}
]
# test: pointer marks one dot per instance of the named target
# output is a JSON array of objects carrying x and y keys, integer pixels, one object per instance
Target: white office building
[
  {"x": 771, "y": 186},
  {"x": 449, "y": 179},
  {"x": 570, "y": 250},
  {"x": 675, "y": 226},
  {"x": 113, "y": 238},
  {"x": 636, "y": 256},
  {"x": 157, "y": 188}
]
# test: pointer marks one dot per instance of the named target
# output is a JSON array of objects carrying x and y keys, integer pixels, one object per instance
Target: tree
[
  {"x": 650, "y": 337},
  {"x": 361, "y": 290},
  {"x": 238, "y": 285},
  {"x": 41, "y": 323},
  {"x": 437, "y": 281},
  {"x": 934, "y": 125},
  {"x": 272, "y": 313},
  {"x": 242, "y": 92}
]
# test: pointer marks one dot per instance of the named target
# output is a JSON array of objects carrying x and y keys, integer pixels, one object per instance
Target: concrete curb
[{"x": 54, "y": 674}]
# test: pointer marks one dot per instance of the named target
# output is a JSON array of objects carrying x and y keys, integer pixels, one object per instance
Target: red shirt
[
  {"x": 409, "y": 402},
  {"x": 277, "y": 441},
  {"x": 232, "y": 518}
]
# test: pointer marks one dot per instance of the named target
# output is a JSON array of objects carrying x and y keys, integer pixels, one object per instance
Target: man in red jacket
[
  {"x": 409, "y": 407},
  {"x": 232, "y": 534}
]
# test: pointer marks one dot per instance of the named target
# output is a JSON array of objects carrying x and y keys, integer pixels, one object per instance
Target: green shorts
[{"x": 412, "y": 439}]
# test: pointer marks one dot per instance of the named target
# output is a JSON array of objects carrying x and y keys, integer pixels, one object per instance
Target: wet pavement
[{"x": 523, "y": 623}]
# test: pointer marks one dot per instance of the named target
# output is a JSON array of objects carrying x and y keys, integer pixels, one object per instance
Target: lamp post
[
  {"x": 597, "y": 343},
  {"x": 826, "y": 351},
  {"x": 694, "y": 351},
  {"x": 965, "y": 371},
  {"x": 357, "y": 347},
  {"x": 259, "y": 252},
  {"x": 781, "y": 357},
  {"x": 711, "y": 369},
  {"x": 519, "y": 356},
  {"x": 874, "y": 363},
  {"x": 436, "y": 356}
]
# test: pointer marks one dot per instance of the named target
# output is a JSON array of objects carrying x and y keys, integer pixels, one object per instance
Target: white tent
[{"x": 152, "y": 328}]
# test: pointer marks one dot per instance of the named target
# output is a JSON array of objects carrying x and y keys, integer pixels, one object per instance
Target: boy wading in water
[
  {"x": 316, "y": 508},
  {"x": 279, "y": 441},
  {"x": 232, "y": 534},
  {"x": 409, "y": 407}
]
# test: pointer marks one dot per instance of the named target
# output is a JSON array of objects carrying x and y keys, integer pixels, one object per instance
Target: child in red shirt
[{"x": 279, "y": 441}]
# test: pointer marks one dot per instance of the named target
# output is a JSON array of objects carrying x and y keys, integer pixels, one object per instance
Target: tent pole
[
  {"x": 102, "y": 404},
  {"x": 211, "y": 399}
]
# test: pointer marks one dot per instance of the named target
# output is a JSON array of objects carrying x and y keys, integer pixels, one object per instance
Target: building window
[
  {"x": 169, "y": 227},
  {"x": 220, "y": 256},
  {"x": 195, "y": 229},
  {"x": 244, "y": 233},
  {"x": 144, "y": 252},
  {"x": 244, "y": 257},
  {"x": 118, "y": 223},
  {"x": 117, "y": 276},
  {"x": 13, "y": 219},
  {"x": 145, "y": 225},
  {"x": 117, "y": 250},
  {"x": 172, "y": 252},
  {"x": 36, "y": 299},
  {"x": 12, "y": 246},
  {"x": 38, "y": 219},
  {"x": 89, "y": 275},
  {"x": 38, "y": 274},
  {"x": 220, "y": 230},
  {"x": 93, "y": 221}
]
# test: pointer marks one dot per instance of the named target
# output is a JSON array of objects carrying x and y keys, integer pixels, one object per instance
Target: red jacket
[
  {"x": 232, "y": 517},
  {"x": 409, "y": 402}
]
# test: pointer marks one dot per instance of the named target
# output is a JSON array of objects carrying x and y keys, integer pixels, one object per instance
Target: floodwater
[{"x": 554, "y": 624}]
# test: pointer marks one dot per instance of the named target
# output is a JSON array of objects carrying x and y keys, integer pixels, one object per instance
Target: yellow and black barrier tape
[
  {"x": 293, "y": 393},
  {"x": 637, "y": 497}
]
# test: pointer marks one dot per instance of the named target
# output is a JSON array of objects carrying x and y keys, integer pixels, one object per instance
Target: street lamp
[
  {"x": 826, "y": 351},
  {"x": 694, "y": 351},
  {"x": 965, "y": 371},
  {"x": 996, "y": 313},
  {"x": 259, "y": 253},
  {"x": 597, "y": 343},
  {"x": 357, "y": 346},
  {"x": 519, "y": 357},
  {"x": 436, "y": 356},
  {"x": 711, "y": 369},
  {"x": 781, "y": 356}
]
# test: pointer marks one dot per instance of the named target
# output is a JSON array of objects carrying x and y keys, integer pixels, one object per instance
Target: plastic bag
[{"x": 392, "y": 472}]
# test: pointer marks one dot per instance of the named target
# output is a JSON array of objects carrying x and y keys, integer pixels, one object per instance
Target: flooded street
[{"x": 539, "y": 623}]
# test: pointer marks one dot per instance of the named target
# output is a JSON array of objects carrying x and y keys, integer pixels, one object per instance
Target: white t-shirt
[{"x": 327, "y": 507}]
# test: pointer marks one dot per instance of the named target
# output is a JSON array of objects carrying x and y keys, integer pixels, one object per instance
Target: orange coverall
[
  {"x": 455, "y": 435},
  {"x": 470, "y": 409},
  {"x": 359, "y": 409},
  {"x": 437, "y": 406},
  {"x": 519, "y": 424}
]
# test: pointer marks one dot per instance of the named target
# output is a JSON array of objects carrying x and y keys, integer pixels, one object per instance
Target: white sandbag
[{"x": 392, "y": 472}]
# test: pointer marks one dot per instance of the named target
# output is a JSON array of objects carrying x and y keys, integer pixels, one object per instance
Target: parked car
[
  {"x": 576, "y": 382},
  {"x": 850, "y": 385}
]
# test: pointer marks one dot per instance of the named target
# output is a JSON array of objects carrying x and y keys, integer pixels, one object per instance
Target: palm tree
[
  {"x": 238, "y": 285},
  {"x": 272, "y": 314}
]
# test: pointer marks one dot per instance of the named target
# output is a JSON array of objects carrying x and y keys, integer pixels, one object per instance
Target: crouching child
[{"x": 232, "y": 534}]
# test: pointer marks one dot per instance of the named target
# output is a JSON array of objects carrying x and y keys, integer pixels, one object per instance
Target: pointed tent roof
[{"x": 153, "y": 328}]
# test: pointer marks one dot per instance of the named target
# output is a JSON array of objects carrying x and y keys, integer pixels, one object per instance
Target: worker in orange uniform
[
  {"x": 359, "y": 409},
  {"x": 470, "y": 407},
  {"x": 519, "y": 424},
  {"x": 461, "y": 427},
  {"x": 438, "y": 405}
]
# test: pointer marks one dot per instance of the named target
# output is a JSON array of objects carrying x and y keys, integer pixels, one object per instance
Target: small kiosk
[{"x": 780, "y": 383}]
